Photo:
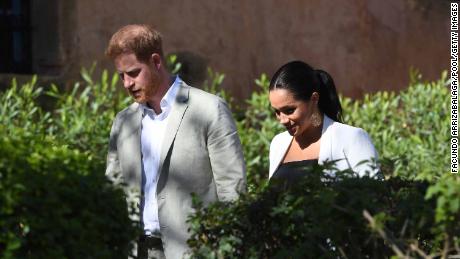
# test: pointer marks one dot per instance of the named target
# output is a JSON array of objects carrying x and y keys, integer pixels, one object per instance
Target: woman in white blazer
[{"x": 306, "y": 103}]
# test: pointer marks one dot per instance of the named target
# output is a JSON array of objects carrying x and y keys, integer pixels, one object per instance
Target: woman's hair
[{"x": 302, "y": 80}]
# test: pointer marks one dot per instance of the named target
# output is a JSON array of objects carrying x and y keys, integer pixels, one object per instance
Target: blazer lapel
[
  {"x": 174, "y": 121},
  {"x": 133, "y": 141},
  {"x": 281, "y": 149},
  {"x": 325, "y": 149}
]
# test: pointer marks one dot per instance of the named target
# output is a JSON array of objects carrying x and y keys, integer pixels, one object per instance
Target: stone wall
[{"x": 366, "y": 45}]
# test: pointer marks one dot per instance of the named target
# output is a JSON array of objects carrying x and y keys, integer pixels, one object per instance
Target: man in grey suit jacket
[{"x": 173, "y": 141}]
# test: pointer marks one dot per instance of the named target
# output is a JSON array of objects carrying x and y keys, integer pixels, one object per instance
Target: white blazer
[{"x": 349, "y": 145}]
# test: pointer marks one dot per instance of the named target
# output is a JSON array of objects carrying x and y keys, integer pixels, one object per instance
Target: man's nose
[{"x": 127, "y": 82}]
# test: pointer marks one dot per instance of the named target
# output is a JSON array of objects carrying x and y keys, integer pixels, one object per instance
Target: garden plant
[{"x": 55, "y": 201}]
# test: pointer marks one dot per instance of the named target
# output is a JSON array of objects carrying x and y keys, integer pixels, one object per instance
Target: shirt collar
[
  {"x": 170, "y": 95},
  {"x": 167, "y": 100}
]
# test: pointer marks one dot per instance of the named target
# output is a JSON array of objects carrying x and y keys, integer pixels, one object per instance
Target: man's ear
[{"x": 156, "y": 61}]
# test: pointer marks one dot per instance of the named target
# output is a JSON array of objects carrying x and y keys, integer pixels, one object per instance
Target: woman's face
[{"x": 294, "y": 114}]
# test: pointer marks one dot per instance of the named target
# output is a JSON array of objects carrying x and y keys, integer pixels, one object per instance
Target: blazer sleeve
[
  {"x": 113, "y": 169},
  {"x": 225, "y": 154},
  {"x": 362, "y": 155}
]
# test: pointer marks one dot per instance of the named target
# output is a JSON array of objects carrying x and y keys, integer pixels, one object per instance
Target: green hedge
[
  {"x": 55, "y": 201},
  {"x": 410, "y": 132},
  {"x": 409, "y": 128},
  {"x": 317, "y": 218},
  {"x": 54, "y": 206}
]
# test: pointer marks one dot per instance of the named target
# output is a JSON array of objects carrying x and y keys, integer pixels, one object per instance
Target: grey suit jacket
[{"x": 201, "y": 154}]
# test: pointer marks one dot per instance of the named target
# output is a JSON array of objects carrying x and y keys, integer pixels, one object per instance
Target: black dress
[{"x": 290, "y": 173}]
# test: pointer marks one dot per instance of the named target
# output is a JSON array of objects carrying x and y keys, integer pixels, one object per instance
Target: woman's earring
[{"x": 316, "y": 119}]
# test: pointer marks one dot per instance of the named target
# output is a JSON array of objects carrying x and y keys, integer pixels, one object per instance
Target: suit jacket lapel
[
  {"x": 174, "y": 121},
  {"x": 133, "y": 139}
]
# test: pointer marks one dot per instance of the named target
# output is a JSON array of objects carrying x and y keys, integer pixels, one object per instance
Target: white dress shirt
[{"x": 152, "y": 134}]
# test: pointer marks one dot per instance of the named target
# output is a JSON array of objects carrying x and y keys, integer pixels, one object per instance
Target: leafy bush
[
  {"x": 83, "y": 116},
  {"x": 319, "y": 217},
  {"x": 257, "y": 128},
  {"x": 409, "y": 132},
  {"x": 55, "y": 201},
  {"x": 408, "y": 128}
]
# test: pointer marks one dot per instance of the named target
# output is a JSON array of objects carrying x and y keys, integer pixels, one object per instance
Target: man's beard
[{"x": 146, "y": 94}]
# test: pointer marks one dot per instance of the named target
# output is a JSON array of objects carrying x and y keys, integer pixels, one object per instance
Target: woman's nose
[{"x": 283, "y": 118}]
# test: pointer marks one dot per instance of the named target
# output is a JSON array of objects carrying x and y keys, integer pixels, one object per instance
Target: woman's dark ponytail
[
  {"x": 302, "y": 80},
  {"x": 329, "y": 102}
]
